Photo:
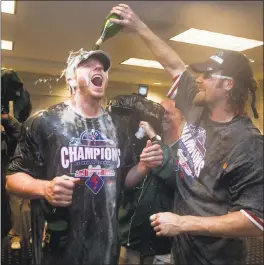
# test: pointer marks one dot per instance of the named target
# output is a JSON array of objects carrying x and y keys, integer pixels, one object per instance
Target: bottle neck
[{"x": 99, "y": 42}]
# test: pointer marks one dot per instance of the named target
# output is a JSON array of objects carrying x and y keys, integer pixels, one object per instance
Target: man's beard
[
  {"x": 87, "y": 90},
  {"x": 199, "y": 99}
]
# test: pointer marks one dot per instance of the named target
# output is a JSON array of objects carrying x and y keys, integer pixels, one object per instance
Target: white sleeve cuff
[
  {"x": 173, "y": 90},
  {"x": 254, "y": 219}
]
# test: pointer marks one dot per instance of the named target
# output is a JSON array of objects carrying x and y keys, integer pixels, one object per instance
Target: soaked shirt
[
  {"x": 219, "y": 170},
  {"x": 59, "y": 142}
]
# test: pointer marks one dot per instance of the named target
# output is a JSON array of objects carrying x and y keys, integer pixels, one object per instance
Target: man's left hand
[
  {"x": 149, "y": 131},
  {"x": 166, "y": 224},
  {"x": 152, "y": 155}
]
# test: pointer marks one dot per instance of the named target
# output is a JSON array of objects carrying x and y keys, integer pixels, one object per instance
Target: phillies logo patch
[{"x": 94, "y": 183}]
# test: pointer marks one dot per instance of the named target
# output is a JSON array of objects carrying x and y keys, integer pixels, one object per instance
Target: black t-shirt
[
  {"x": 58, "y": 142},
  {"x": 219, "y": 170}
]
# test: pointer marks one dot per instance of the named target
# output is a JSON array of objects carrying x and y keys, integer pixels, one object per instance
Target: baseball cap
[
  {"x": 75, "y": 58},
  {"x": 234, "y": 64}
]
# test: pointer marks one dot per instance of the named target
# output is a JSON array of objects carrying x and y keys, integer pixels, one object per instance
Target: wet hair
[{"x": 238, "y": 95}]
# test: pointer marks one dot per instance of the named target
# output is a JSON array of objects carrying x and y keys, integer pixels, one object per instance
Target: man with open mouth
[{"x": 69, "y": 164}]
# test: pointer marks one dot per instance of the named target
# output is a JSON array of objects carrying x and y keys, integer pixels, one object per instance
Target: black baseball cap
[{"x": 233, "y": 63}]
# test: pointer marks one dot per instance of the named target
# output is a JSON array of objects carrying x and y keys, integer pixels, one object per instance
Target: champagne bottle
[{"x": 109, "y": 30}]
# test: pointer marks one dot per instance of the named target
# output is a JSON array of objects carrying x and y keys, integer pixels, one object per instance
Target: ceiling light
[
  {"x": 8, "y": 7},
  {"x": 156, "y": 83},
  {"x": 216, "y": 40},
  {"x": 143, "y": 63},
  {"x": 6, "y": 45}
]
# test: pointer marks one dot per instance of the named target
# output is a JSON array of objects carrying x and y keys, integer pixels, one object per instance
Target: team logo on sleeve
[
  {"x": 191, "y": 151},
  {"x": 91, "y": 157}
]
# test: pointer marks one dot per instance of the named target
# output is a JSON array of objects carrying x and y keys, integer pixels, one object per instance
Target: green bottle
[{"x": 109, "y": 30}]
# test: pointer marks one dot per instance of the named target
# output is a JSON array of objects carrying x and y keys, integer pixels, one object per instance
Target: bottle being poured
[
  {"x": 140, "y": 133},
  {"x": 109, "y": 30}
]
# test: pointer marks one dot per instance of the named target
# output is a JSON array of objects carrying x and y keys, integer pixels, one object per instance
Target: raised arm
[
  {"x": 163, "y": 52},
  {"x": 151, "y": 157}
]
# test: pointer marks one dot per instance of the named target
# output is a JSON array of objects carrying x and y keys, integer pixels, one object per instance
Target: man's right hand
[
  {"x": 129, "y": 18},
  {"x": 58, "y": 192},
  {"x": 151, "y": 156}
]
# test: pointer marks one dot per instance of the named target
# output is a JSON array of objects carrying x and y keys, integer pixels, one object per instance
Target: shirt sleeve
[
  {"x": 183, "y": 91},
  {"x": 246, "y": 183},
  {"x": 166, "y": 171},
  {"x": 28, "y": 157}
]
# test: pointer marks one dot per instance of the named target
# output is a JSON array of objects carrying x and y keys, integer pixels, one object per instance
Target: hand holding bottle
[
  {"x": 58, "y": 192},
  {"x": 149, "y": 131},
  {"x": 130, "y": 19}
]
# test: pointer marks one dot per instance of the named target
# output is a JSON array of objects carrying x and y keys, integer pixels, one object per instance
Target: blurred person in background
[
  {"x": 12, "y": 90},
  {"x": 145, "y": 194},
  {"x": 218, "y": 199}
]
